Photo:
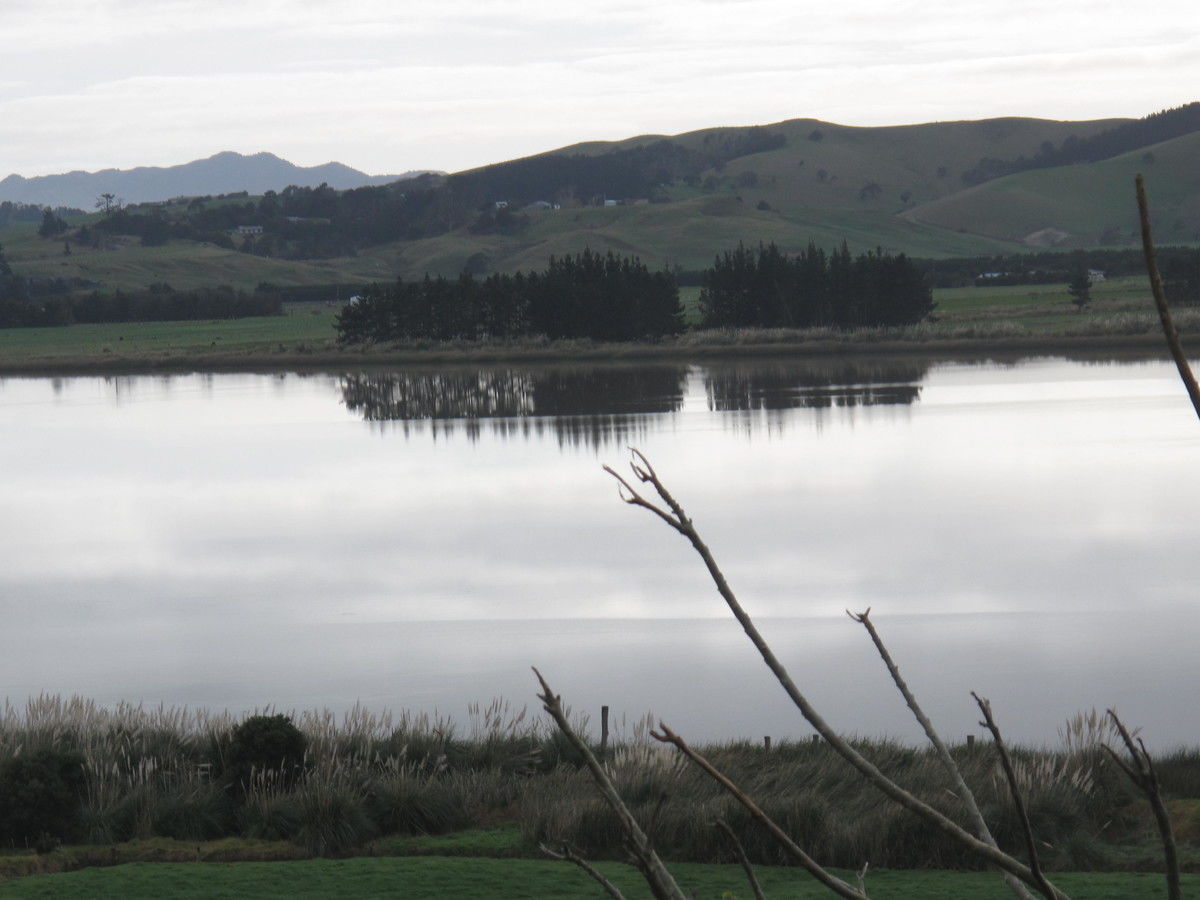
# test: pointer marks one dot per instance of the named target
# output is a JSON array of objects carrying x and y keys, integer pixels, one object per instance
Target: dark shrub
[
  {"x": 264, "y": 743},
  {"x": 40, "y": 796}
]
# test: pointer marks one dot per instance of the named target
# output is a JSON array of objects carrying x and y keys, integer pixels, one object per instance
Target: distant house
[
  {"x": 249, "y": 229},
  {"x": 1095, "y": 275},
  {"x": 543, "y": 204},
  {"x": 610, "y": 202},
  {"x": 501, "y": 204}
]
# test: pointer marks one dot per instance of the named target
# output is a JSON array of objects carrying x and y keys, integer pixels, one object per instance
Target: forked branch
[
  {"x": 1014, "y": 790},
  {"x": 1140, "y": 771},
  {"x": 679, "y": 521},
  {"x": 642, "y": 854}
]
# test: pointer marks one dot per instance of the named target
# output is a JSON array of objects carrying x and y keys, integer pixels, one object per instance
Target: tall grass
[{"x": 159, "y": 772}]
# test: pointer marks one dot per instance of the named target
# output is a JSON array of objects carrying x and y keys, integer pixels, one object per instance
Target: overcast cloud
[{"x": 388, "y": 87}]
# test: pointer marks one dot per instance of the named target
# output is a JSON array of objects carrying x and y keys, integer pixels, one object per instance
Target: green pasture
[
  {"x": 525, "y": 879},
  {"x": 992, "y": 314},
  {"x": 303, "y": 326}
]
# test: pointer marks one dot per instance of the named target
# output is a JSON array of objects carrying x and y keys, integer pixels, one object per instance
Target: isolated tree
[
  {"x": 1080, "y": 285},
  {"x": 106, "y": 202}
]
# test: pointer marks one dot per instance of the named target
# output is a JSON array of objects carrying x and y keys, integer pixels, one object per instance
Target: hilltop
[{"x": 936, "y": 190}]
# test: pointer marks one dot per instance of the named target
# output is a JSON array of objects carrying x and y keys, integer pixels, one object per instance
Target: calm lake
[{"x": 418, "y": 539}]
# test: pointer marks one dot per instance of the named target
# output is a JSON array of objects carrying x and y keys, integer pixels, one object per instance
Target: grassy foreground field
[
  {"x": 1032, "y": 318},
  {"x": 518, "y": 879}
]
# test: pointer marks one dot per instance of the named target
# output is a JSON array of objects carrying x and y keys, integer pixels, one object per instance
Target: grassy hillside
[
  {"x": 688, "y": 233},
  {"x": 122, "y": 262},
  {"x": 926, "y": 161},
  {"x": 1082, "y": 205},
  {"x": 900, "y": 188}
]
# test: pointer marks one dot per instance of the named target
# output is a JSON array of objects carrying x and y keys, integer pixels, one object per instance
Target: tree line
[
  {"x": 612, "y": 298},
  {"x": 587, "y": 295},
  {"x": 19, "y": 213},
  {"x": 765, "y": 287},
  {"x": 159, "y": 303},
  {"x": 1056, "y": 266}
]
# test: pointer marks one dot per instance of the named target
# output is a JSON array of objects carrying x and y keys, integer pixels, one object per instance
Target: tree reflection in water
[
  {"x": 604, "y": 405},
  {"x": 818, "y": 385},
  {"x": 591, "y": 407}
]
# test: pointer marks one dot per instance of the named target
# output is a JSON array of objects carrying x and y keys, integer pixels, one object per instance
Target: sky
[{"x": 388, "y": 87}]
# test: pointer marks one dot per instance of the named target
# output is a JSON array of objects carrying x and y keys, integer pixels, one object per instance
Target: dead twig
[
  {"x": 835, "y": 884},
  {"x": 1145, "y": 779},
  {"x": 569, "y": 855},
  {"x": 678, "y": 520},
  {"x": 662, "y": 884},
  {"x": 1160, "y": 299},
  {"x": 1014, "y": 790},
  {"x": 740, "y": 852},
  {"x": 961, "y": 789}
]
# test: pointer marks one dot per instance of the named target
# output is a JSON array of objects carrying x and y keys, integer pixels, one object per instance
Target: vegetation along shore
[{"x": 84, "y": 786}]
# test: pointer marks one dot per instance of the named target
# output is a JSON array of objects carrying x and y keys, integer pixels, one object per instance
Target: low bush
[{"x": 264, "y": 744}]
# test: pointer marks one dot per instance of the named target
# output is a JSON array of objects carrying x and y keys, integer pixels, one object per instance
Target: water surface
[{"x": 417, "y": 539}]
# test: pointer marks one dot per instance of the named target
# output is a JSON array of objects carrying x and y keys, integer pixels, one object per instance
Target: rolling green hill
[
  {"x": 1083, "y": 205},
  {"x": 903, "y": 188}
]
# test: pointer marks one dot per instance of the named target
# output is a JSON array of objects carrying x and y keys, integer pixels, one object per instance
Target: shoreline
[{"x": 1145, "y": 345}]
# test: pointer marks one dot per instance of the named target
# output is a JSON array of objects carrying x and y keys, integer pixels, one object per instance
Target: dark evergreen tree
[
  {"x": 1080, "y": 285},
  {"x": 767, "y": 288},
  {"x": 606, "y": 298},
  {"x": 1181, "y": 273},
  {"x": 15, "y": 305}
]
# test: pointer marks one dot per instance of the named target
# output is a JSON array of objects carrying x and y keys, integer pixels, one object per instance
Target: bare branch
[
  {"x": 865, "y": 767},
  {"x": 1010, "y": 775},
  {"x": 662, "y": 885},
  {"x": 627, "y": 494},
  {"x": 740, "y": 852},
  {"x": 962, "y": 791},
  {"x": 1160, "y": 299},
  {"x": 569, "y": 855},
  {"x": 861, "y": 877},
  {"x": 835, "y": 884},
  {"x": 1145, "y": 779}
]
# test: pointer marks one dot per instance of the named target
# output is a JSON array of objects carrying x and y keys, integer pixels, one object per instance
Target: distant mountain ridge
[{"x": 222, "y": 173}]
